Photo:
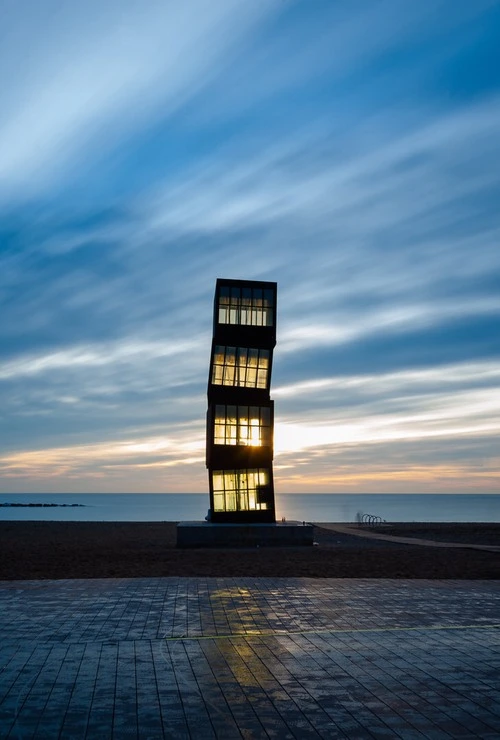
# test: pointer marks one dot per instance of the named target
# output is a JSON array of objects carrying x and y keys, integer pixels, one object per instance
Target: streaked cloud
[
  {"x": 349, "y": 151},
  {"x": 104, "y": 71},
  {"x": 92, "y": 356}
]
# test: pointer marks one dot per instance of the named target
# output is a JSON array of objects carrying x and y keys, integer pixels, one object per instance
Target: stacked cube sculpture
[{"x": 240, "y": 416}]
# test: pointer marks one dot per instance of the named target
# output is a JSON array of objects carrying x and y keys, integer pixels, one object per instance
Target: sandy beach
[{"x": 40, "y": 550}]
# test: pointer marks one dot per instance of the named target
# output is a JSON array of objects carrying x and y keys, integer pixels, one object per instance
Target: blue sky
[{"x": 348, "y": 150}]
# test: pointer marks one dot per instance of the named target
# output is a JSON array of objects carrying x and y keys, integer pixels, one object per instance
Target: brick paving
[{"x": 249, "y": 658}]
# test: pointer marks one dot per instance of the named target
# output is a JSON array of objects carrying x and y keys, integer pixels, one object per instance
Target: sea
[{"x": 311, "y": 507}]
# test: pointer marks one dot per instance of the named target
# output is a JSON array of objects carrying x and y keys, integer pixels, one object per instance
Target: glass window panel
[
  {"x": 229, "y": 375},
  {"x": 242, "y": 359},
  {"x": 218, "y": 502},
  {"x": 240, "y": 488},
  {"x": 219, "y": 434},
  {"x": 254, "y": 436},
  {"x": 242, "y": 434},
  {"x": 262, "y": 379},
  {"x": 246, "y": 306},
  {"x": 242, "y": 425},
  {"x": 253, "y": 356},
  {"x": 219, "y": 355},
  {"x": 241, "y": 376},
  {"x": 218, "y": 481},
  {"x": 230, "y": 501}
]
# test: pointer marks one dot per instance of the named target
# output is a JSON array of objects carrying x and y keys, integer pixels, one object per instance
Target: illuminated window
[
  {"x": 242, "y": 425},
  {"x": 240, "y": 366},
  {"x": 246, "y": 306},
  {"x": 241, "y": 490}
]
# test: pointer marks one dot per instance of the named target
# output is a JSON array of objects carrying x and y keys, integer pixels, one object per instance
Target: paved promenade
[
  {"x": 377, "y": 534},
  {"x": 251, "y": 658}
]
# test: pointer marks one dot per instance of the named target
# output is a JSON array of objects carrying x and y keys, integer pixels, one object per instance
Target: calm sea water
[{"x": 334, "y": 507}]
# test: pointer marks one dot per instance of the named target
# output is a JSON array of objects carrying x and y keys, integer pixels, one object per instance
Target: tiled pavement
[{"x": 252, "y": 658}]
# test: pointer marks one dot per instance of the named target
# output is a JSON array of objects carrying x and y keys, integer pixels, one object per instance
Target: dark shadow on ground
[{"x": 40, "y": 550}]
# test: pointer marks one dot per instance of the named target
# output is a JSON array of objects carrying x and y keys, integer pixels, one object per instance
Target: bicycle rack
[{"x": 372, "y": 520}]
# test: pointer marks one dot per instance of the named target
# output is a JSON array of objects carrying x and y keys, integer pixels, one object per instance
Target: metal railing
[{"x": 371, "y": 520}]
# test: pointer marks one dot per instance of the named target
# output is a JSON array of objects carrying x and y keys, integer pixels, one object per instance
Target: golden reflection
[
  {"x": 240, "y": 366},
  {"x": 249, "y": 433},
  {"x": 238, "y": 490},
  {"x": 248, "y": 426}
]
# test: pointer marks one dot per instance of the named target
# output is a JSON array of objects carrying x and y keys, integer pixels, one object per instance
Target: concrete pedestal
[{"x": 275, "y": 534}]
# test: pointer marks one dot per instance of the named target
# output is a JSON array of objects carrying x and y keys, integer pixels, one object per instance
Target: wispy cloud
[
  {"x": 94, "y": 356},
  {"x": 151, "y": 463},
  {"x": 340, "y": 150},
  {"x": 99, "y": 72}
]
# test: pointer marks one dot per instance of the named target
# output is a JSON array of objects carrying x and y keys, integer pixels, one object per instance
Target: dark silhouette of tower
[{"x": 240, "y": 416}]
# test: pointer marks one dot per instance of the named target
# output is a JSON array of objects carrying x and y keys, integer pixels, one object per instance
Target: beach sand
[{"x": 40, "y": 550}]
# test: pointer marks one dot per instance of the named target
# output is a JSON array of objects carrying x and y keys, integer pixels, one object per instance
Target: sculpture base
[{"x": 214, "y": 534}]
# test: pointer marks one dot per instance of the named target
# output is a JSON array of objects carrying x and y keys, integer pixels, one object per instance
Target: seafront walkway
[
  {"x": 376, "y": 534},
  {"x": 251, "y": 658}
]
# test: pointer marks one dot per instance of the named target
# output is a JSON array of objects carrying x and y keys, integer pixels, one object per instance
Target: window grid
[
  {"x": 237, "y": 490},
  {"x": 246, "y": 306},
  {"x": 240, "y": 366},
  {"x": 242, "y": 425}
]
